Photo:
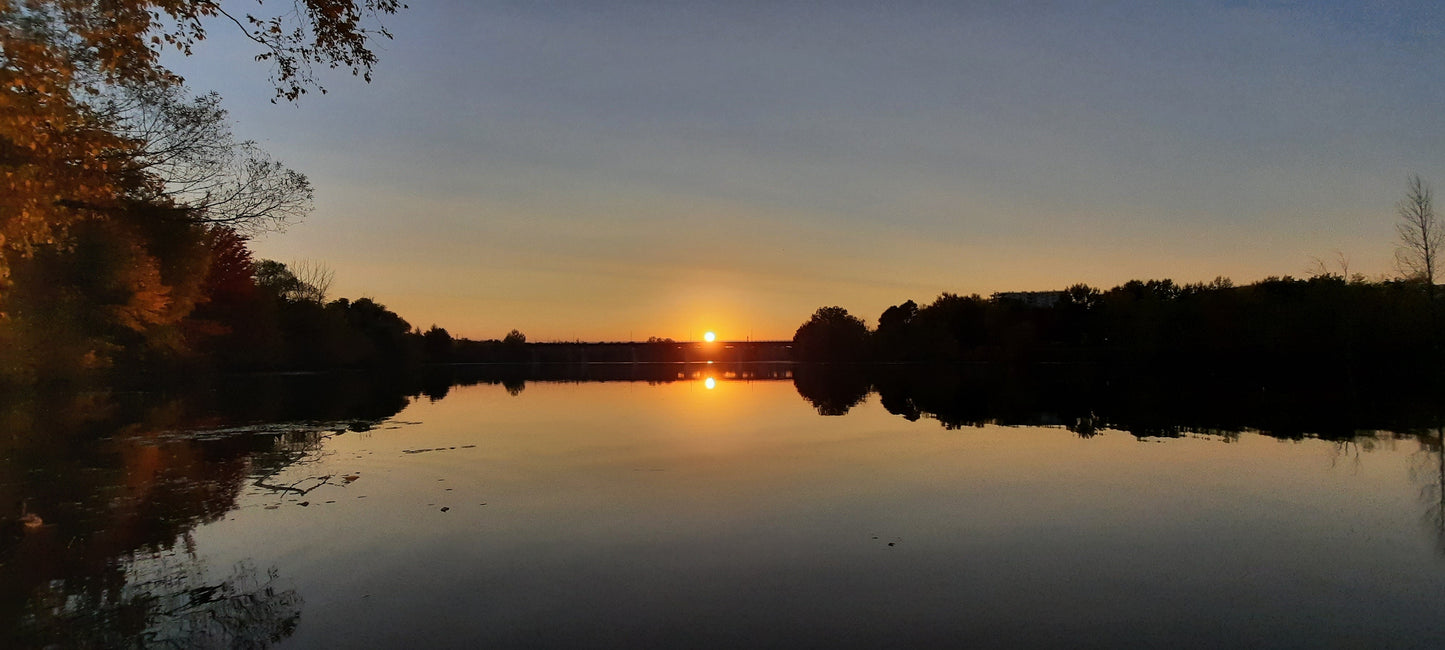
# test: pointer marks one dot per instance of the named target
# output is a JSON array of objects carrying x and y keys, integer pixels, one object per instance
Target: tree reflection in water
[
  {"x": 118, "y": 482},
  {"x": 1089, "y": 399},
  {"x": 100, "y": 493},
  {"x": 1429, "y": 472},
  {"x": 163, "y": 600},
  {"x": 832, "y": 389}
]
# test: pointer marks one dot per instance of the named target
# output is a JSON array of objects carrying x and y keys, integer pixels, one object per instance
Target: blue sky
[{"x": 634, "y": 169}]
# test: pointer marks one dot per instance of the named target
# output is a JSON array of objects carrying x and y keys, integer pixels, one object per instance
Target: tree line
[
  {"x": 1334, "y": 328},
  {"x": 1331, "y": 327}
]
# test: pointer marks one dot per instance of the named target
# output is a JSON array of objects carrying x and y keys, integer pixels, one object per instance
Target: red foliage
[{"x": 230, "y": 279}]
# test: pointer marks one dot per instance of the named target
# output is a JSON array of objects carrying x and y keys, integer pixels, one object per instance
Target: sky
[{"x": 621, "y": 170}]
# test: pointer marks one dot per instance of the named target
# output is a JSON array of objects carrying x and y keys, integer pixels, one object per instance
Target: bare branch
[
  {"x": 1421, "y": 238},
  {"x": 183, "y": 153},
  {"x": 315, "y": 279}
]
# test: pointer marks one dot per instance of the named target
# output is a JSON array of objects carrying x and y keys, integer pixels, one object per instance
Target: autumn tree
[
  {"x": 63, "y": 148},
  {"x": 109, "y": 169},
  {"x": 230, "y": 278},
  {"x": 120, "y": 289},
  {"x": 237, "y": 324}
]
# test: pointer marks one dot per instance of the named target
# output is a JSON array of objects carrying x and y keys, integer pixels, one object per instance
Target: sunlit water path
[{"x": 676, "y": 515}]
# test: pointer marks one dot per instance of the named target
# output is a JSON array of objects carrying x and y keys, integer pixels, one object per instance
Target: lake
[{"x": 729, "y": 505}]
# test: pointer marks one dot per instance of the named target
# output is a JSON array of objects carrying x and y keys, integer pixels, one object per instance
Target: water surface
[{"x": 688, "y": 513}]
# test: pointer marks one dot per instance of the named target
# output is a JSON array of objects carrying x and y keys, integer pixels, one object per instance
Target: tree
[
  {"x": 298, "y": 282},
  {"x": 1081, "y": 296},
  {"x": 64, "y": 150},
  {"x": 1319, "y": 268},
  {"x": 951, "y": 326},
  {"x": 899, "y": 316},
  {"x": 107, "y": 166},
  {"x": 831, "y": 334},
  {"x": 182, "y": 153},
  {"x": 1421, "y": 238},
  {"x": 120, "y": 289},
  {"x": 315, "y": 279},
  {"x": 895, "y": 333},
  {"x": 122, "y": 40},
  {"x": 276, "y": 280},
  {"x": 231, "y": 276},
  {"x": 386, "y": 331},
  {"x": 437, "y": 344},
  {"x": 514, "y": 346}
]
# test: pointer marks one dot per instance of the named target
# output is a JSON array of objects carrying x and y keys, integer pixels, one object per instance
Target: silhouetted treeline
[{"x": 1325, "y": 328}]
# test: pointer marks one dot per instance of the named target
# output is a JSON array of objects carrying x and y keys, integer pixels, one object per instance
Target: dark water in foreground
[{"x": 714, "y": 509}]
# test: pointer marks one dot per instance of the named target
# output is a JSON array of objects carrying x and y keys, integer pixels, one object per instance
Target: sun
[{"x": 709, "y": 337}]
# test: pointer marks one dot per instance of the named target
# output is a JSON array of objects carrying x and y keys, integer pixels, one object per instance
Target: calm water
[{"x": 683, "y": 512}]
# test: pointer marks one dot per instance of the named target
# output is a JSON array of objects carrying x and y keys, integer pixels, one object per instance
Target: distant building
[{"x": 1037, "y": 299}]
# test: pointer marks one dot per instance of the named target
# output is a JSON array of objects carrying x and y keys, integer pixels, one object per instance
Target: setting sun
[{"x": 709, "y": 337}]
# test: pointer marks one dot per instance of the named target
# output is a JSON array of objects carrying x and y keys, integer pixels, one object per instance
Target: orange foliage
[{"x": 59, "y": 157}]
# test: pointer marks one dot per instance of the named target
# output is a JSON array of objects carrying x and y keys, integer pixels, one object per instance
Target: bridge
[{"x": 663, "y": 352}]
